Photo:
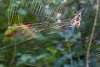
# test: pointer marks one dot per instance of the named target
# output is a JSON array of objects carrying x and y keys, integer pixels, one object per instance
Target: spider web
[
  {"x": 36, "y": 9},
  {"x": 42, "y": 23}
]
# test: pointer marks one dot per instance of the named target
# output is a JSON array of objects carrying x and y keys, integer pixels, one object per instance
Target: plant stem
[
  {"x": 70, "y": 55},
  {"x": 87, "y": 57},
  {"x": 13, "y": 55}
]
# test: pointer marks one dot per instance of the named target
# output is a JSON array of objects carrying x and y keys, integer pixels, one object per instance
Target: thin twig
[
  {"x": 87, "y": 57},
  {"x": 71, "y": 60}
]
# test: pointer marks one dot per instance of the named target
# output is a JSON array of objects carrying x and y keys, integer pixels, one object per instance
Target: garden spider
[{"x": 77, "y": 19}]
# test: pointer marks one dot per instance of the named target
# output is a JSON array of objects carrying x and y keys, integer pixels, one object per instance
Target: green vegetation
[{"x": 38, "y": 33}]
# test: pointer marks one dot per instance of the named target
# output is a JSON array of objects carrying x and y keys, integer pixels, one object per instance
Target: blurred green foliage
[{"x": 48, "y": 50}]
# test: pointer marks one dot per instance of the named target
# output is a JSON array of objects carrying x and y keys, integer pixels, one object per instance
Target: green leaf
[
  {"x": 32, "y": 60},
  {"x": 22, "y": 11},
  {"x": 41, "y": 37},
  {"x": 61, "y": 49},
  {"x": 24, "y": 58},
  {"x": 2, "y": 65},
  {"x": 55, "y": 41},
  {"x": 48, "y": 11},
  {"x": 39, "y": 57},
  {"x": 14, "y": 5}
]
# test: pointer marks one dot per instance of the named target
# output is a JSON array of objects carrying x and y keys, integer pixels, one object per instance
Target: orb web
[{"x": 46, "y": 17}]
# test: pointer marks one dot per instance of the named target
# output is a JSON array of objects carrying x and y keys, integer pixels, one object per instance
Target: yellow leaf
[
  {"x": 53, "y": 1},
  {"x": 7, "y": 39},
  {"x": 29, "y": 31},
  {"x": 10, "y": 30}
]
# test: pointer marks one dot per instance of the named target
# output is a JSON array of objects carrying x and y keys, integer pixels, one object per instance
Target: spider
[{"x": 77, "y": 20}]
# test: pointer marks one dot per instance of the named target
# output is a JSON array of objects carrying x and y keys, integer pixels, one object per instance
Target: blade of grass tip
[
  {"x": 87, "y": 57},
  {"x": 9, "y": 14}
]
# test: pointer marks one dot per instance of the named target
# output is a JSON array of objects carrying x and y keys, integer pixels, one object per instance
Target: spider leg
[
  {"x": 73, "y": 24},
  {"x": 78, "y": 24}
]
